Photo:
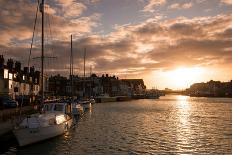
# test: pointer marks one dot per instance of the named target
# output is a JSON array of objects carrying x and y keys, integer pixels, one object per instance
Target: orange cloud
[
  {"x": 181, "y": 6},
  {"x": 152, "y": 4},
  {"x": 229, "y": 2}
]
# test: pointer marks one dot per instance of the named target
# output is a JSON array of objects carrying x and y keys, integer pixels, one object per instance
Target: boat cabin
[{"x": 57, "y": 108}]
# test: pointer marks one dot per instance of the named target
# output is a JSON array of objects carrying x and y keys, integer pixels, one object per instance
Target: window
[
  {"x": 5, "y": 73},
  {"x": 58, "y": 107},
  {"x": 47, "y": 107},
  {"x": 10, "y": 76},
  {"x": 23, "y": 77},
  {"x": 10, "y": 84}
]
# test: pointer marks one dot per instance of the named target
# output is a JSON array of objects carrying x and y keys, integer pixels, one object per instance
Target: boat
[
  {"x": 105, "y": 98},
  {"x": 55, "y": 120},
  {"x": 86, "y": 104},
  {"x": 92, "y": 100},
  {"x": 152, "y": 96},
  {"x": 123, "y": 98},
  {"x": 77, "y": 109}
]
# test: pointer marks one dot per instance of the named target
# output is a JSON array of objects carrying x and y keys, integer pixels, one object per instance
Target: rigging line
[
  {"x": 32, "y": 40},
  {"x": 51, "y": 35}
]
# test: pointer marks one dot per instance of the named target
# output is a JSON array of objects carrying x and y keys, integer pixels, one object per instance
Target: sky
[{"x": 168, "y": 43}]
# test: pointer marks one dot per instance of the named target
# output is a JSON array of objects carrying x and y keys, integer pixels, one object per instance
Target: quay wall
[{"x": 9, "y": 117}]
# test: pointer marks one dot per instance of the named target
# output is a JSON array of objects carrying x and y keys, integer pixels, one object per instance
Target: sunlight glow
[{"x": 184, "y": 77}]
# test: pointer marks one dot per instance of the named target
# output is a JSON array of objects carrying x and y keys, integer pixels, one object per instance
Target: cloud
[
  {"x": 190, "y": 42},
  {"x": 137, "y": 49},
  {"x": 18, "y": 18},
  {"x": 152, "y": 45},
  {"x": 229, "y": 2},
  {"x": 70, "y": 8},
  {"x": 95, "y": 1},
  {"x": 180, "y": 6},
  {"x": 152, "y": 4}
]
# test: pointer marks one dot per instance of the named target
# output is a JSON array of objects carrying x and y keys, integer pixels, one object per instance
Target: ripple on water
[{"x": 164, "y": 126}]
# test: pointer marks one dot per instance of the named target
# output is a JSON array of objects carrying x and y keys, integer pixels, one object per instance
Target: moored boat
[
  {"x": 105, "y": 98},
  {"x": 77, "y": 109},
  {"x": 54, "y": 121},
  {"x": 86, "y": 104}
]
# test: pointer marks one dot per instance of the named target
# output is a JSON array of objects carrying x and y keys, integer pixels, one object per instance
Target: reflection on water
[
  {"x": 184, "y": 132},
  {"x": 170, "y": 125}
]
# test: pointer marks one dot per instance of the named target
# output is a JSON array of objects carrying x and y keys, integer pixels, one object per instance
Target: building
[
  {"x": 94, "y": 86},
  {"x": 135, "y": 86},
  {"x": 211, "y": 89},
  {"x": 15, "y": 82}
]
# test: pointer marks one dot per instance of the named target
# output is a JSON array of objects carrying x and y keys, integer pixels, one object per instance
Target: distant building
[
  {"x": 135, "y": 86},
  {"x": 15, "y": 82},
  {"x": 94, "y": 86},
  {"x": 211, "y": 89}
]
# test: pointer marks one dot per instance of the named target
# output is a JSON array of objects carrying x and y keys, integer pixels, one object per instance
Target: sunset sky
[{"x": 168, "y": 43}]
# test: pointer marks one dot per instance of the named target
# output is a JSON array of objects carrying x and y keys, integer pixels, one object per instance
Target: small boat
[
  {"x": 152, "y": 96},
  {"x": 77, "y": 109},
  {"x": 105, "y": 98},
  {"x": 86, "y": 104},
  {"x": 92, "y": 101},
  {"x": 55, "y": 120}
]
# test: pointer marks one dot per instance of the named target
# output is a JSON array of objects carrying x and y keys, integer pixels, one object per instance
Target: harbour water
[{"x": 170, "y": 125}]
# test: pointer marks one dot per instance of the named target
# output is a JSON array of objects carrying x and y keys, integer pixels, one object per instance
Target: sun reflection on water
[{"x": 184, "y": 132}]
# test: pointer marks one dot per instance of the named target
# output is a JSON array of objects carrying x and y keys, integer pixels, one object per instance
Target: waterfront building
[
  {"x": 135, "y": 86},
  {"x": 94, "y": 86},
  {"x": 15, "y": 82},
  {"x": 211, "y": 89}
]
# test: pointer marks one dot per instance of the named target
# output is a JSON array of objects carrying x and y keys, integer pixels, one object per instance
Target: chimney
[
  {"x": 17, "y": 66},
  {"x": 1, "y": 61},
  {"x": 32, "y": 70},
  {"x": 10, "y": 64},
  {"x": 26, "y": 70},
  {"x": 37, "y": 76}
]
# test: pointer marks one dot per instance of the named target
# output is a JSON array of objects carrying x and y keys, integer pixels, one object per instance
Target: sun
[{"x": 183, "y": 77}]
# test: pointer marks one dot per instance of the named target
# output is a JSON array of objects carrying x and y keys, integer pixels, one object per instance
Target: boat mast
[
  {"x": 71, "y": 69},
  {"x": 42, "y": 54},
  {"x": 84, "y": 70}
]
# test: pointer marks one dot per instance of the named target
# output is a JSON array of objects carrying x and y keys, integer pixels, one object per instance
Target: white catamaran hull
[{"x": 28, "y": 136}]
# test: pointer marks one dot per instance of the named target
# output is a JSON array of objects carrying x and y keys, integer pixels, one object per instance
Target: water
[{"x": 170, "y": 125}]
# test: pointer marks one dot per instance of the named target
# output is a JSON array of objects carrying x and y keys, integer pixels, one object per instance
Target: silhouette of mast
[
  {"x": 84, "y": 71},
  {"x": 42, "y": 51},
  {"x": 71, "y": 69}
]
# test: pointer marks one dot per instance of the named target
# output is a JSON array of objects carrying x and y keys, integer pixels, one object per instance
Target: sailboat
[
  {"x": 55, "y": 119},
  {"x": 85, "y": 102},
  {"x": 77, "y": 108}
]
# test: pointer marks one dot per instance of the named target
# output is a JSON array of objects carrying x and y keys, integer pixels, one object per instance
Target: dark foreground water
[{"x": 170, "y": 125}]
